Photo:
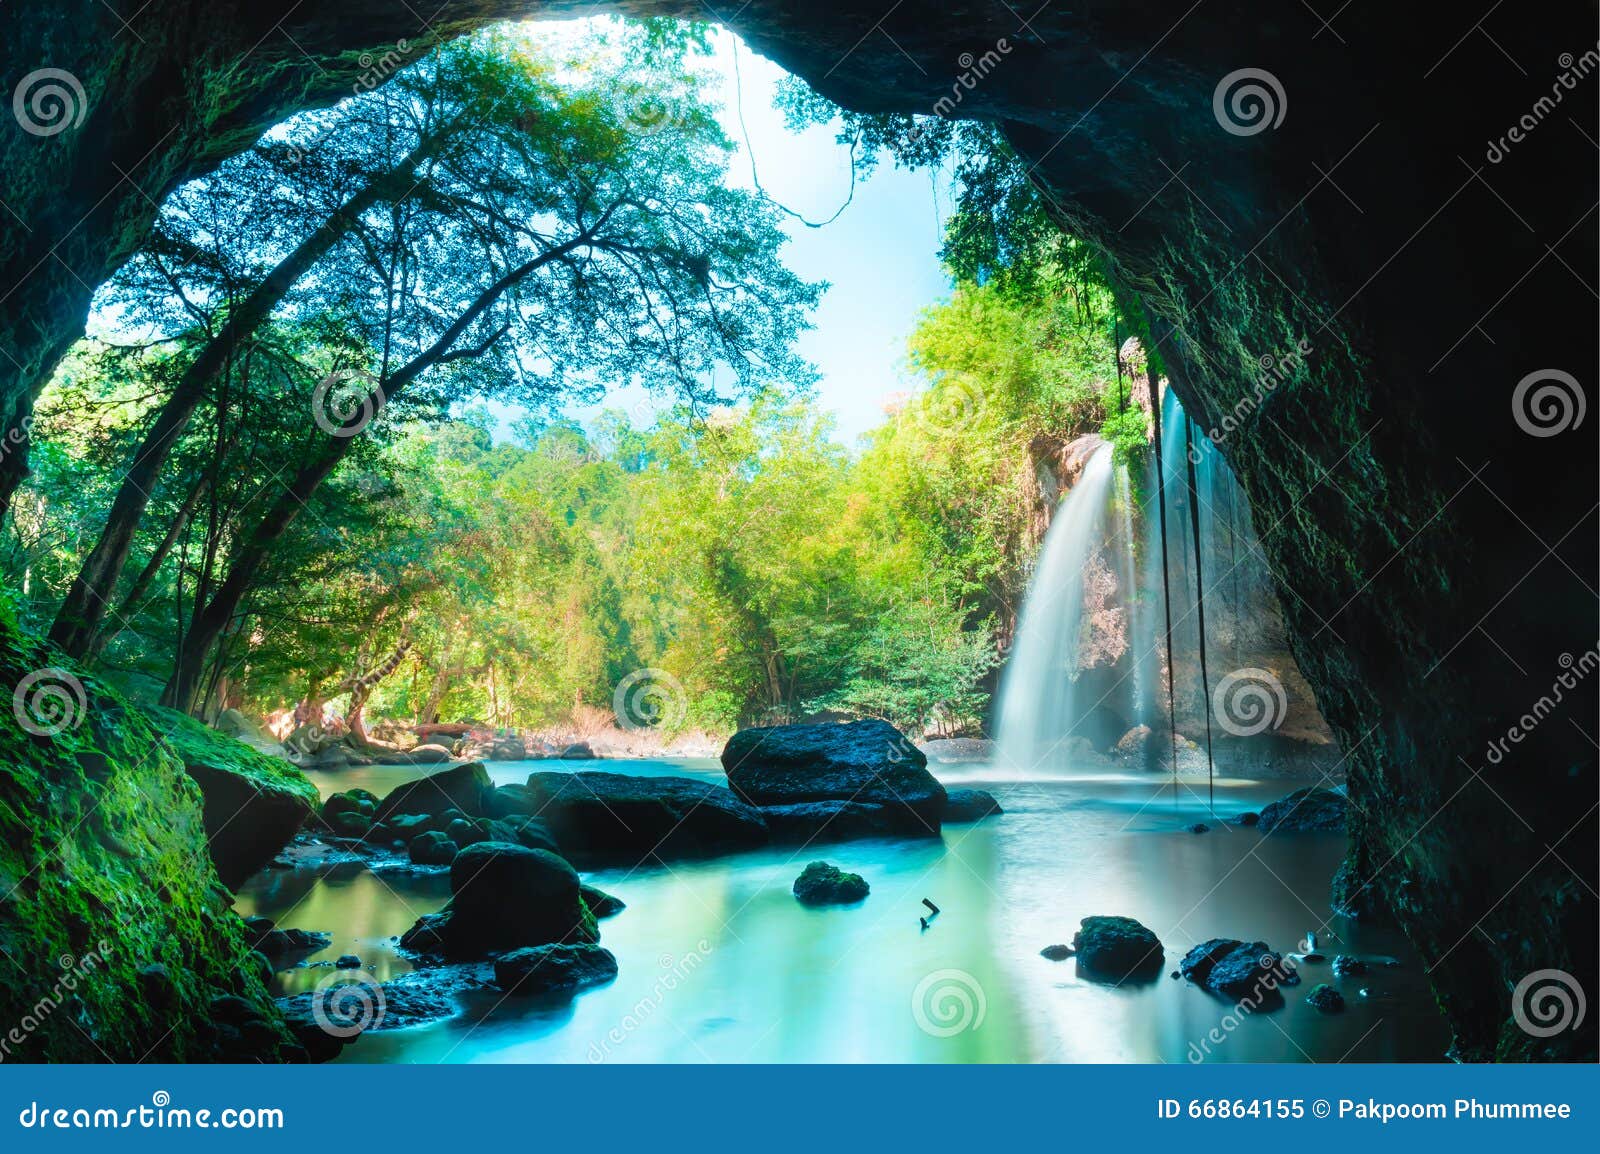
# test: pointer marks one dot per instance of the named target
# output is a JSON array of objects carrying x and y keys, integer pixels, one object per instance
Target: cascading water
[
  {"x": 1039, "y": 701},
  {"x": 1089, "y": 662}
]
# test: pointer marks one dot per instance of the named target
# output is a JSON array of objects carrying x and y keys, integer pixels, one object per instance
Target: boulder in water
[
  {"x": 861, "y": 761},
  {"x": 461, "y": 787},
  {"x": 416, "y": 755},
  {"x": 554, "y": 969},
  {"x": 1345, "y": 966},
  {"x": 505, "y": 896},
  {"x": 824, "y": 884},
  {"x": 1248, "y": 818},
  {"x": 1116, "y": 949},
  {"x": 432, "y": 848},
  {"x": 1325, "y": 998},
  {"x": 1057, "y": 953},
  {"x": 969, "y": 805},
  {"x": 600, "y": 903},
  {"x": 1236, "y": 969},
  {"x": 1306, "y": 811},
  {"x": 816, "y": 822},
  {"x": 612, "y": 819}
]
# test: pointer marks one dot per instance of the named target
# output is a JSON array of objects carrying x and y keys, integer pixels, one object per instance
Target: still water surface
[{"x": 719, "y": 963}]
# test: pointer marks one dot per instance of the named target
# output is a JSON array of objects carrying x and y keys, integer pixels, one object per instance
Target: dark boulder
[
  {"x": 1116, "y": 949},
  {"x": 861, "y": 761},
  {"x": 348, "y": 962},
  {"x": 1345, "y": 966},
  {"x": 460, "y": 787},
  {"x": 1306, "y": 811},
  {"x": 505, "y": 896},
  {"x": 969, "y": 805},
  {"x": 1236, "y": 969},
  {"x": 813, "y": 822},
  {"x": 600, "y": 903},
  {"x": 611, "y": 819},
  {"x": 824, "y": 884},
  {"x": 1325, "y": 998},
  {"x": 253, "y": 804},
  {"x": 432, "y": 848},
  {"x": 1247, "y": 818},
  {"x": 561, "y": 968}
]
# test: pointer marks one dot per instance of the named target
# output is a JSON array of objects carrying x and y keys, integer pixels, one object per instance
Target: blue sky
[{"x": 880, "y": 256}]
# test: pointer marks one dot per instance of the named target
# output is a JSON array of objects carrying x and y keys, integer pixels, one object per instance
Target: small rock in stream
[
  {"x": 347, "y": 962},
  {"x": 1325, "y": 998},
  {"x": 822, "y": 883},
  {"x": 1056, "y": 953}
]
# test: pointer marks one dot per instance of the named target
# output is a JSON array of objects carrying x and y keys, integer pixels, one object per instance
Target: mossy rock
[
  {"x": 825, "y": 884},
  {"x": 254, "y": 803},
  {"x": 110, "y": 896}
]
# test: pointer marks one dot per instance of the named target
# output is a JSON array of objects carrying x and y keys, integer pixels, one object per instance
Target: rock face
[
  {"x": 554, "y": 969},
  {"x": 1238, "y": 969},
  {"x": 462, "y": 787},
  {"x": 1116, "y": 949},
  {"x": 824, "y": 884},
  {"x": 1305, "y": 811},
  {"x": 819, "y": 822},
  {"x": 253, "y": 803},
  {"x": 611, "y": 819},
  {"x": 861, "y": 761},
  {"x": 1389, "y": 542},
  {"x": 970, "y": 805},
  {"x": 504, "y": 897}
]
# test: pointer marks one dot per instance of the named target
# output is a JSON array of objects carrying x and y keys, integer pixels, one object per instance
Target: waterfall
[
  {"x": 1040, "y": 703},
  {"x": 1077, "y": 680}
]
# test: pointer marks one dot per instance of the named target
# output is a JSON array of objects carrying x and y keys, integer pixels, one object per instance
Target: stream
[{"x": 719, "y": 962}]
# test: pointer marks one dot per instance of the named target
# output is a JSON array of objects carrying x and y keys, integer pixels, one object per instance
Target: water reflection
[{"x": 771, "y": 980}]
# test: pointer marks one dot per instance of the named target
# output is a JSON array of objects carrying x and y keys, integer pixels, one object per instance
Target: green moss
[
  {"x": 199, "y": 744},
  {"x": 116, "y": 933}
]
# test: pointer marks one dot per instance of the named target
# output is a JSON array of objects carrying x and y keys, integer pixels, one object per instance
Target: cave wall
[{"x": 1435, "y": 558}]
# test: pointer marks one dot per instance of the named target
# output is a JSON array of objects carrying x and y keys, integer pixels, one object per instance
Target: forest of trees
[{"x": 272, "y": 472}]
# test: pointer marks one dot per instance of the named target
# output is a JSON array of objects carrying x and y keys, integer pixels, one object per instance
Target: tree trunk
[
  {"x": 84, "y": 609},
  {"x": 134, "y": 601}
]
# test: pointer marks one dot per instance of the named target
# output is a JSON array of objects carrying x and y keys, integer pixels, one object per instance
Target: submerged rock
[
  {"x": 1325, "y": 998},
  {"x": 1306, "y": 811},
  {"x": 861, "y": 761},
  {"x": 612, "y": 819},
  {"x": 1234, "y": 968},
  {"x": 1057, "y": 953},
  {"x": 969, "y": 805},
  {"x": 822, "y": 883},
  {"x": 1345, "y": 966},
  {"x": 1116, "y": 949},
  {"x": 562, "y": 968}
]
